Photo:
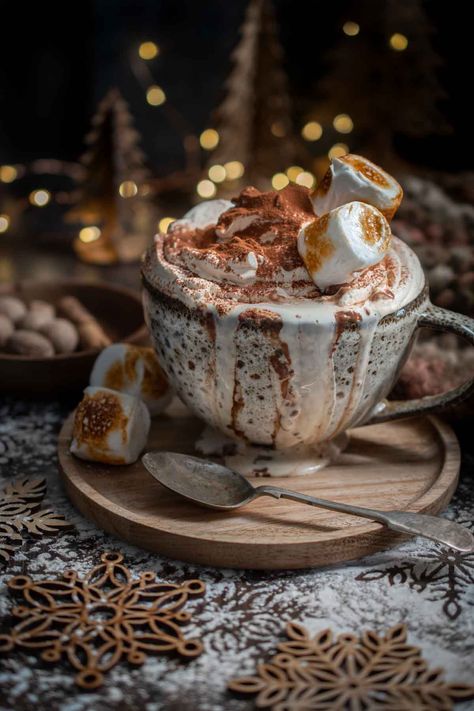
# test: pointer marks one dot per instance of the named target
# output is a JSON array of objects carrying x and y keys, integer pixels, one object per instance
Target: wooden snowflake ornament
[
  {"x": 96, "y": 621},
  {"x": 445, "y": 575},
  {"x": 20, "y": 513},
  {"x": 369, "y": 672}
]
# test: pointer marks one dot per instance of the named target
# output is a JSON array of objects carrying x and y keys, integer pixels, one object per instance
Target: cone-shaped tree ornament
[
  {"x": 253, "y": 121},
  {"x": 112, "y": 206},
  {"x": 384, "y": 77}
]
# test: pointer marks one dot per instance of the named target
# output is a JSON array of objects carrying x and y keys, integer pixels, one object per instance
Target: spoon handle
[{"x": 437, "y": 529}]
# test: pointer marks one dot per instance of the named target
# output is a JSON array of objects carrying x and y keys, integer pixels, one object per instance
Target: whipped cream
[
  {"x": 353, "y": 177},
  {"x": 390, "y": 284},
  {"x": 253, "y": 244},
  {"x": 250, "y": 254},
  {"x": 202, "y": 215}
]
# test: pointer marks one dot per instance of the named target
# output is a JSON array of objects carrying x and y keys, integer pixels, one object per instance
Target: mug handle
[{"x": 439, "y": 320}]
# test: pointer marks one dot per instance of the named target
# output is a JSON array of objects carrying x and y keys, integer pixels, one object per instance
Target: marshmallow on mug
[
  {"x": 109, "y": 427},
  {"x": 135, "y": 371},
  {"x": 352, "y": 177},
  {"x": 345, "y": 240}
]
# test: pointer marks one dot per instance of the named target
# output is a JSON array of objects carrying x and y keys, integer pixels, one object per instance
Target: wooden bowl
[{"x": 118, "y": 310}]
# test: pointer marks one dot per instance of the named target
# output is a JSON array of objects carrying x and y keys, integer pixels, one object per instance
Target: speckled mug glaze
[{"x": 236, "y": 371}]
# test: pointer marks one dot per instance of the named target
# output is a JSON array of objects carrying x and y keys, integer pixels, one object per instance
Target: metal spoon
[{"x": 214, "y": 486}]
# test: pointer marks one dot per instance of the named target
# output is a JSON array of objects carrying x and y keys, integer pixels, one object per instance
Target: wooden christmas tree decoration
[
  {"x": 385, "y": 77},
  {"x": 112, "y": 205},
  {"x": 253, "y": 122}
]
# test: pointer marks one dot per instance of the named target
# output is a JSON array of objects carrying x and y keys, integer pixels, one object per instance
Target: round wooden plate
[{"x": 411, "y": 465}]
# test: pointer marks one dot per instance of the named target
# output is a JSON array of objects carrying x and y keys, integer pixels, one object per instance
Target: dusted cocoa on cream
[{"x": 251, "y": 256}]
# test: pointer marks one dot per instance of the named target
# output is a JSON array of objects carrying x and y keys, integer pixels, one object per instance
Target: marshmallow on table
[
  {"x": 202, "y": 215},
  {"x": 352, "y": 177},
  {"x": 133, "y": 370},
  {"x": 345, "y": 240},
  {"x": 109, "y": 427}
]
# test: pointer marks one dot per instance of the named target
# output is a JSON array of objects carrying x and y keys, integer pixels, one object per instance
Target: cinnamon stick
[{"x": 91, "y": 333}]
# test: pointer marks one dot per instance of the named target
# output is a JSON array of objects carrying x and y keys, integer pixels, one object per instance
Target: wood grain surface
[{"x": 411, "y": 465}]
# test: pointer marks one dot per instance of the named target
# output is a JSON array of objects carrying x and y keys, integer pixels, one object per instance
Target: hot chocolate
[
  {"x": 250, "y": 255},
  {"x": 261, "y": 345}
]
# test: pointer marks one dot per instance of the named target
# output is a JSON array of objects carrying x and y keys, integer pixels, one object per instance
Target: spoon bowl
[{"x": 202, "y": 482}]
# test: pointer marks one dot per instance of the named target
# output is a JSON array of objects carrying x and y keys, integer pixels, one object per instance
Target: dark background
[{"x": 58, "y": 59}]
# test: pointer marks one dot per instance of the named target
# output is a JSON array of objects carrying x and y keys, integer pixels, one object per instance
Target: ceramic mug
[{"x": 288, "y": 379}]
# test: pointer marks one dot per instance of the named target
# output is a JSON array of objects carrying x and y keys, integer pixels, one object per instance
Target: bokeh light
[
  {"x": 148, "y": 50},
  {"x": 164, "y": 223},
  {"x": 312, "y": 131},
  {"x": 206, "y": 189},
  {"x": 89, "y": 234},
  {"x": 234, "y": 169},
  {"x": 398, "y": 42},
  {"x": 217, "y": 173},
  {"x": 155, "y": 95},
  {"x": 293, "y": 171},
  {"x": 4, "y": 223},
  {"x": 278, "y": 129},
  {"x": 337, "y": 150},
  {"x": 128, "y": 189},
  {"x": 351, "y": 29},
  {"x": 306, "y": 179},
  {"x": 8, "y": 173},
  {"x": 279, "y": 181},
  {"x": 209, "y": 139},
  {"x": 343, "y": 123},
  {"x": 39, "y": 198}
]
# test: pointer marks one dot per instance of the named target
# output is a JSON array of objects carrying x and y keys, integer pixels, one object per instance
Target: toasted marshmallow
[
  {"x": 202, "y": 215},
  {"x": 109, "y": 427},
  {"x": 352, "y": 177},
  {"x": 135, "y": 371},
  {"x": 344, "y": 241}
]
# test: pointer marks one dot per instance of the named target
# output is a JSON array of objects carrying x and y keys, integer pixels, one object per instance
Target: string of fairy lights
[{"x": 218, "y": 174}]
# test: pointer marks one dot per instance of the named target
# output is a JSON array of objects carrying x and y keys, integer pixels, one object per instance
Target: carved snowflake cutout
[
  {"x": 349, "y": 672},
  {"x": 97, "y": 621},
  {"x": 20, "y": 502},
  {"x": 444, "y": 574}
]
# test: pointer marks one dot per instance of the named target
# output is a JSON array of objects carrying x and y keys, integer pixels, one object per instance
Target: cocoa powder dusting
[
  {"x": 258, "y": 237},
  {"x": 270, "y": 226}
]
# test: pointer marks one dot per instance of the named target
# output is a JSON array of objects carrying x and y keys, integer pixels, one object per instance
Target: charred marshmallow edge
[
  {"x": 351, "y": 178},
  {"x": 110, "y": 427},
  {"x": 344, "y": 241},
  {"x": 135, "y": 371}
]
